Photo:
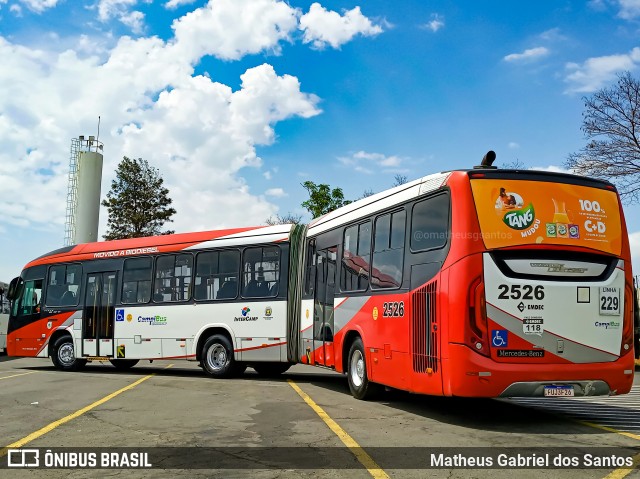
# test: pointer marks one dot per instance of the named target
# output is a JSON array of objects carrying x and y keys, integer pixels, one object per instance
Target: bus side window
[
  {"x": 261, "y": 272},
  {"x": 430, "y": 223},
  {"x": 173, "y": 278},
  {"x": 310, "y": 273},
  {"x": 29, "y": 302},
  {"x": 388, "y": 251},
  {"x": 217, "y": 275},
  {"x": 63, "y": 285},
  {"x": 136, "y": 280},
  {"x": 356, "y": 250}
]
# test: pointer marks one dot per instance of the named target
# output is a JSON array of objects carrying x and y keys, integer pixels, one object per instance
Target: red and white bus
[{"x": 480, "y": 283}]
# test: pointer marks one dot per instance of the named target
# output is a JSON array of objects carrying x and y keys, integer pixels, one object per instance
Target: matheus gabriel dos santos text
[{"x": 530, "y": 461}]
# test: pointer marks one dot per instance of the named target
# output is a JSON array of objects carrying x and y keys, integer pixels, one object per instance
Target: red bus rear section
[{"x": 516, "y": 307}]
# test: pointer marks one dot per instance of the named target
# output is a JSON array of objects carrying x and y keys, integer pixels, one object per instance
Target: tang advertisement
[{"x": 521, "y": 212}]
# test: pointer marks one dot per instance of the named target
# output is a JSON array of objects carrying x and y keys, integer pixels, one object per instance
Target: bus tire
[
  {"x": 359, "y": 384},
  {"x": 63, "y": 355},
  {"x": 271, "y": 369},
  {"x": 217, "y": 358},
  {"x": 123, "y": 364}
]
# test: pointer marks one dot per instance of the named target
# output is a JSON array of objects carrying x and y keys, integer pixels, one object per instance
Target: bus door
[
  {"x": 323, "y": 319},
  {"x": 99, "y": 311}
]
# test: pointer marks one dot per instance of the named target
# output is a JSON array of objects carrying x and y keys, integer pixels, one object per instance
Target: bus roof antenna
[{"x": 487, "y": 160}]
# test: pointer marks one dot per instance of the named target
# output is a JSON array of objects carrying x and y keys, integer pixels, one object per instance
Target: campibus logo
[{"x": 245, "y": 311}]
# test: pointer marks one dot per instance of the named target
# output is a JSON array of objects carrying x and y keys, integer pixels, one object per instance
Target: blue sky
[{"x": 239, "y": 101}]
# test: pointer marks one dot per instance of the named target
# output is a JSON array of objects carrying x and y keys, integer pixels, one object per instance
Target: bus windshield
[{"x": 523, "y": 212}]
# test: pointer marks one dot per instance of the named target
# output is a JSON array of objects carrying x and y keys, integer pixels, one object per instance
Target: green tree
[
  {"x": 611, "y": 124},
  {"x": 323, "y": 199},
  {"x": 138, "y": 203}
]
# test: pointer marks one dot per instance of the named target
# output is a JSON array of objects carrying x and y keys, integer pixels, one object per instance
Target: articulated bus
[{"x": 477, "y": 283}]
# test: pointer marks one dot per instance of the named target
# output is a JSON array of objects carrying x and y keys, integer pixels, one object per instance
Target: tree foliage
[
  {"x": 322, "y": 199},
  {"x": 399, "y": 180},
  {"x": 611, "y": 124},
  {"x": 366, "y": 193},
  {"x": 138, "y": 203},
  {"x": 284, "y": 219},
  {"x": 514, "y": 165}
]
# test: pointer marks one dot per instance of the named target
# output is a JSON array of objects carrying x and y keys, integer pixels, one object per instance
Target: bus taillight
[
  {"x": 478, "y": 335},
  {"x": 627, "y": 322}
]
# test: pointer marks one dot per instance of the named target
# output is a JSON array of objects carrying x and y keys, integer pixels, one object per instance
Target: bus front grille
[{"x": 424, "y": 337}]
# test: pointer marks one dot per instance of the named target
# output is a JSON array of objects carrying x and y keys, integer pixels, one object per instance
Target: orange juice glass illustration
[{"x": 560, "y": 215}]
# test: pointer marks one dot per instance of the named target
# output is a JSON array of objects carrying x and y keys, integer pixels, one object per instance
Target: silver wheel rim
[
  {"x": 216, "y": 357},
  {"x": 357, "y": 370},
  {"x": 65, "y": 354}
]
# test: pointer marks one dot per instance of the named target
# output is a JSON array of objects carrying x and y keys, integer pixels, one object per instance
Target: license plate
[
  {"x": 610, "y": 301},
  {"x": 557, "y": 391}
]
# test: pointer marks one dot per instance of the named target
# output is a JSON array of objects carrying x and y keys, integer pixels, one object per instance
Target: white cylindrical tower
[{"x": 88, "y": 182}]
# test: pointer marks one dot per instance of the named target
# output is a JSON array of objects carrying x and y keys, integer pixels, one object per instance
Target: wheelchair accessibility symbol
[
  {"x": 119, "y": 314},
  {"x": 499, "y": 338}
]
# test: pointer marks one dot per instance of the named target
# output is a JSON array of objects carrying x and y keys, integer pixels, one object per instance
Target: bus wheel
[
  {"x": 217, "y": 358},
  {"x": 270, "y": 369},
  {"x": 359, "y": 384},
  {"x": 123, "y": 364},
  {"x": 64, "y": 357}
]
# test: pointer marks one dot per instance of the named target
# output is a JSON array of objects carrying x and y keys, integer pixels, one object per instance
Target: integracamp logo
[{"x": 245, "y": 315}]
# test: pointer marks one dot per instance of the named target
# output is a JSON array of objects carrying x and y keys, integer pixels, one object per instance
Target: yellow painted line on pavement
[
  {"x": 16, "y": 375},
  {"x": 623, "y": 471},
  {"x": 609, "y": 429},
  {"x": 361, "y": 455},
  {"x": 50, "y": 427}
]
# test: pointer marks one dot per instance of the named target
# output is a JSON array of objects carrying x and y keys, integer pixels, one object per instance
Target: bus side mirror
[{"x": 14, "y": 287}]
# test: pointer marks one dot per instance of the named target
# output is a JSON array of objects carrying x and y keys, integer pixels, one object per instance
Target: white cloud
[
  {"x": 552, "y": 169},
  {"x": 596, "y": 72},
  {"x": 198, "y": 132},
  {"x": 435, "y": 24},
  {"x": 121, "y": 10},
  {"x": 530, "y": 54},
  {"x": 552, "y": 35},
  {"x": 39, "y": 6},
  {"x": 276, "y": 192},
  {"x": 201, "y": 134},
  {"x": 513, "y": 145},
  {"x": 108, "y": 9},
  {"x": 364, "y": 162},
  {"x": 322, "y": 27},
  {"x": 230, "y": 29},
  {"x": 173, "y": 4},
  {"x": 134, "y": 20},
  {"x": 629, "y": 9}
]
